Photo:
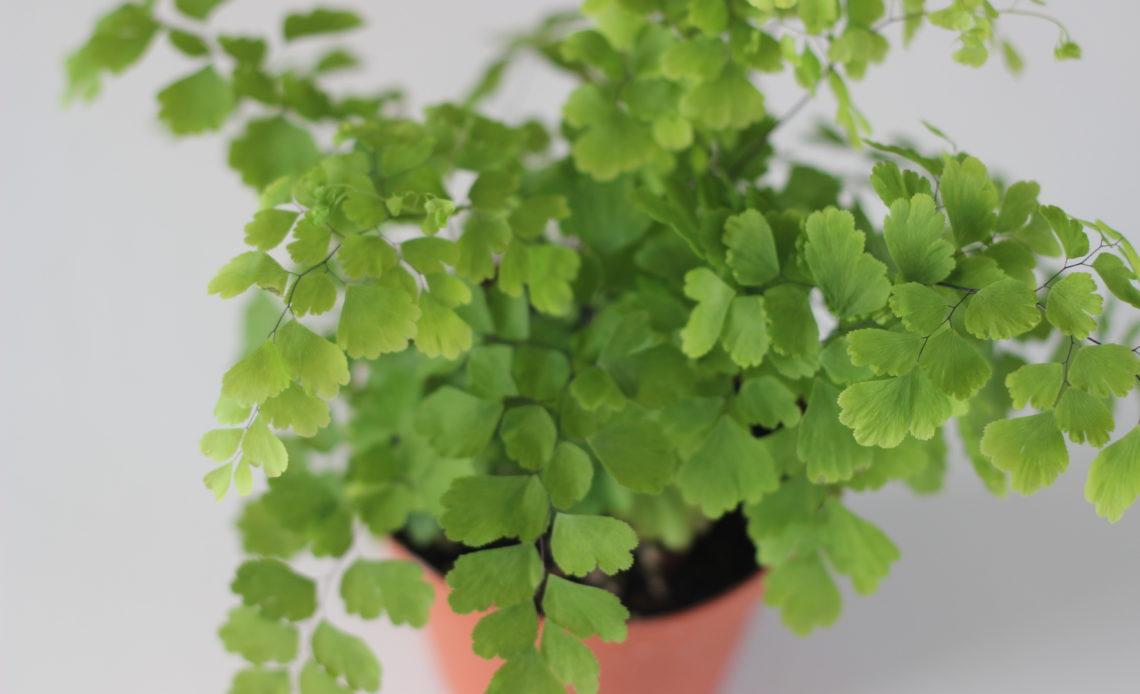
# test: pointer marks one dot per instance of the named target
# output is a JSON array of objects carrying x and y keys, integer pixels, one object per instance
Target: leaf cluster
[{"x": 574, "y": 356}]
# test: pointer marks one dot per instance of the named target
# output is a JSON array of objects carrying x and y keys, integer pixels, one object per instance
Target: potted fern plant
[{"x": 592, "y": 376}]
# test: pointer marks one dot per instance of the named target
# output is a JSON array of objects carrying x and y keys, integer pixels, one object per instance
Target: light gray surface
[{"x": 114, "y": 562}]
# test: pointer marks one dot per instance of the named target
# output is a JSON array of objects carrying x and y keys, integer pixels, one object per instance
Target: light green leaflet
[
  {"x": 853, "y": 282},
  {"x": 1114, "y": 478},
  {"x": 503, "y": 576},
  {"x": 713, "y": 298},
  {"x": 581, "y": 543},
  {"x": 483, "y": 508},
  {"x": 914, "y": 235},
  {"x": 1030, "y": 448}
]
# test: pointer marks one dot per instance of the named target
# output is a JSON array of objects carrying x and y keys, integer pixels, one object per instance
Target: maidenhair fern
[{"x": 579, "y": 352}]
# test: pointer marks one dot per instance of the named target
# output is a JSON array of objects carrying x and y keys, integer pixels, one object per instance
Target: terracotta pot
[{"x": 687, "y": 652}]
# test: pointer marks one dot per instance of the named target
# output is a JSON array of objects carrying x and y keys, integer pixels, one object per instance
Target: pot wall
[{"x": 684, "y": 653}]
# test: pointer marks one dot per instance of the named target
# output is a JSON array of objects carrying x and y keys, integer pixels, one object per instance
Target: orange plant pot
[{"x": 687, "y": 652}]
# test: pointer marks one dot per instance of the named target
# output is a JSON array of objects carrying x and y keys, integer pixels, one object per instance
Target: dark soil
[{"x": 660, "y": 581}]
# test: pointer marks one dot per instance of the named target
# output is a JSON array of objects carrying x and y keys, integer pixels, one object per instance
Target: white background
[{"x": 114, "y": 562}]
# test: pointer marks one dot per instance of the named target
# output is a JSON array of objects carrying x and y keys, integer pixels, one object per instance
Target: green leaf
[
  {"x": 1035, "y": 384},
  {"x": 766, "y": 401},
  {"x": 429, "y": 254},
  {"x": 484, "y": 234},
  {"x": 1114, "y": 478},
  {"x": 593, "y": 387},
  {"x": 187, "y": 43},
  {"x": 550, "y": 270},
  {"x": 1068, "y": 230},
  {"x": 881, "y": 413},
  {"x": 262, "y": 532},
  {"x": 571, "y": 661},
  {"x": 1002, "y": 310},
  {"x": 954, "y": 365},
  {"x": 791, "y": 326},
  {"x": 320, "y": 21},
  {"x": 506, "y": 632},
  {"x": 484, "y": 508},
  {"x": 316, "y": 363},
  {"x": 710, "y": 17},
  {"x": 524, "y": 673},
  {"x": 1084, "y": 418},
  {"x": 568, "y": 475},
  {"x": 751, "y": 249},
  {"x": 713, "y": 298},
  {"x": 805, "y": 593},
  {"x": 246, "y": 270},
  {"x": 347, "y": 656},
  {"x": 817, "y": 15},
  {"x": 397, "y": 587},
  {"x": 1118, "y": 278},
  {"x": 530, "y": 218},
  {"x": 386, "y": 511},
  {"x": 220, "y": 445},
  {"x": 120, "y": 38},
  {"x": 701, "y": 58},
  {"x": 258, "y": 681},
  {"x": 1019, "y": 203},
  {"x": 584, "y": 611},
  {"x": 1072, "y": 303},
  {"x": 600, "y": 214},
  {"x": 529, "y": 434},
  {"x": 728, "y": 101},
  {"x": 218, "y": 480},
  {"x": 257, "y": 638},
  {"x": 375, "y": 320},
  {"x": 440, "y": 332},
  {"x": 293, "y": 408},
  {"x": 312, "y": 294},
  {"x": 891, "y": 184},
  {"x": 970, "y": 198},
  {"x": 1030, "y": 448},
  {"x": 746, "y": 331},
  {"x": 366, "y": 256},
  {"x": 271, "y": 148},
  {"x": 826, "y": 445},
  {"x": 314, "y": 679},
  {"x": 885, "y": 351},
  {"x": 1067, "y": 50},
  {"x": 269, "y": 228},
  {"x": 196, "y": 103},
  {"x": 857, "y": 548},
  {"x": 245, "y": 50},
  {"x": 1104, "y": 370},
  {"x": 853, "y": 282},
  {"x": 836, "y": 361},
  {"x": 637, "y": 454},
  {"x": 540, "y": 373},
  {"x": 493, "y": 190},
  {"x": 259, "y": 376},
  {"x": 914, "y": 235},
  {"x": 274, "y": 587},
  {"x": 198, "y": 9},
  {"x": 243, "y": 476},
  {"x": 731, "y": 466},
  {"x": 311, "y": 244},
  {"x": 611, "y": 147},
  {"x": 457, "y": 424},
  {"x": 503, "y": 576},
  {"x": 581, "y": 543},
  {"x": 489, "y": 372},
  {"x": 920, "y": 308}
]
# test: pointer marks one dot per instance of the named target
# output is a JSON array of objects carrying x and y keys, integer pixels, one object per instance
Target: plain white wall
[{"x": 114, "y": 562}]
